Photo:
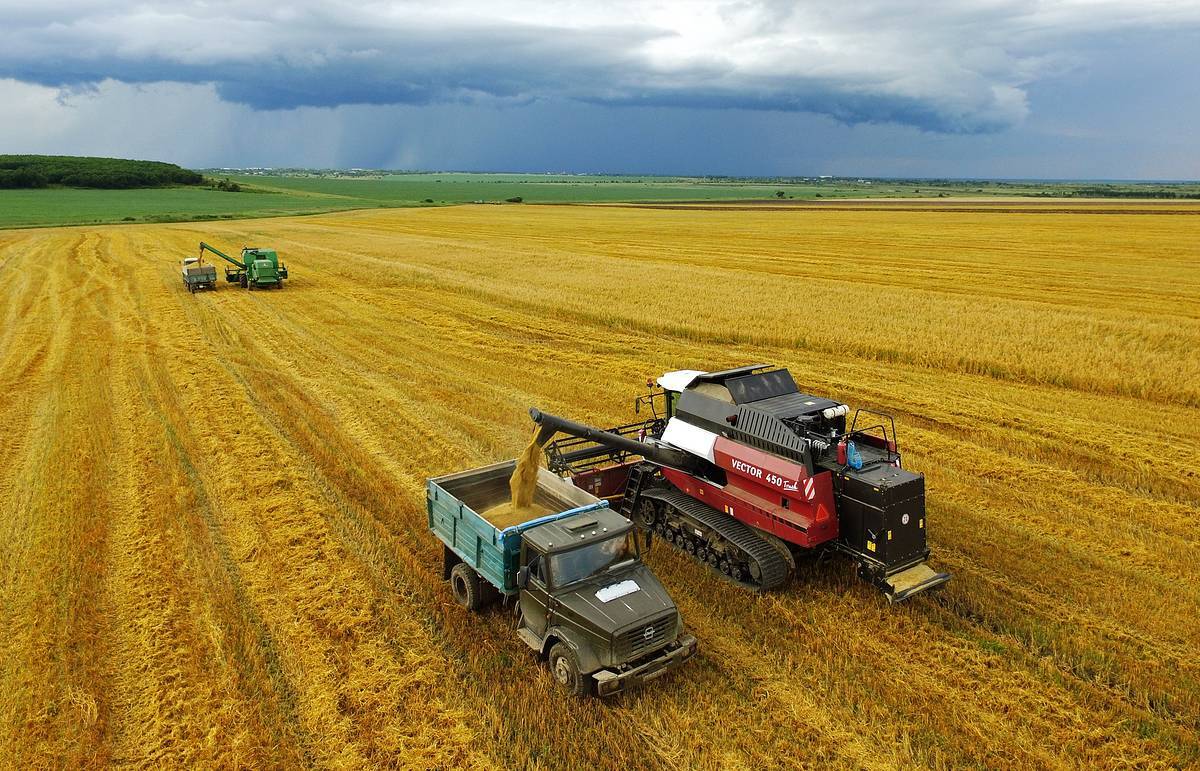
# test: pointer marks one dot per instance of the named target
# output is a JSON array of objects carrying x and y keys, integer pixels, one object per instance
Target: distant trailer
[{"x": 198, "y": 275}]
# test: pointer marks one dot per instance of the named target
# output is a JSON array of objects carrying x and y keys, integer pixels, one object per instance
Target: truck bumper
[{"x": 609, "y": 682}]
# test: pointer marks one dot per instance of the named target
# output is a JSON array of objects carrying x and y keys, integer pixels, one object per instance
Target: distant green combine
[{"x": 258, "y": 268}]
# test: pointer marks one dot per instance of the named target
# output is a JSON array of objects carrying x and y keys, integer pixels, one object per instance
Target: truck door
[{"x": 536, "y": 596}]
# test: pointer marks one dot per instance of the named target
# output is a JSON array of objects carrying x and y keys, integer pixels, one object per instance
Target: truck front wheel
[
  {"x": 464, "y": 583},
  {"x": 564, "y": 665}
]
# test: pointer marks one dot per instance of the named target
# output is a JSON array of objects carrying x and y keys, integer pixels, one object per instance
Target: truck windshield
[{"x": 571, "y": 566}]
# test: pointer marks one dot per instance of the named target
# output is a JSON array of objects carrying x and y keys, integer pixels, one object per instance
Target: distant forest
[
  {"x": 1109, "y": 191},
  {"x": 30, "y": 171}
]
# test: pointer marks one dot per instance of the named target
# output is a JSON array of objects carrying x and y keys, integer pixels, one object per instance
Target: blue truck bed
[{"x": 453, "y": 503}]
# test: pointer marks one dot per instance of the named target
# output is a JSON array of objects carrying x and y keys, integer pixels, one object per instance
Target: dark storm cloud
[
  {"x": 320, "y": 55},
  {"x": 943, "y": 67}
]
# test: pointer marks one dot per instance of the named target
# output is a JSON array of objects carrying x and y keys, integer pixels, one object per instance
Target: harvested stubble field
[{"x": 213, "y": 532}]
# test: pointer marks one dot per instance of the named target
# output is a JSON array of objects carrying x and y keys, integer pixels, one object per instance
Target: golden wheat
[{"x": 212, "y": 521}]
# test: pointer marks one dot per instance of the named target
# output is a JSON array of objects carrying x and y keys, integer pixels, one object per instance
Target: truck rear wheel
[
  {"x": 564, "y": 665},
  {"x": 464, "y": 584}
]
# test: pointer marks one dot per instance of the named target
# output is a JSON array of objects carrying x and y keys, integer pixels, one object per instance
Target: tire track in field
[
  {"x": 21, "y": 292},
  {"x": 55, "y": 704},
  {"x": 191, "y": 655},
  {"x": 343, "y": 621},
  {"x": 24, "y": 337},
  {"x": 264, "y": 682},
  {"x": 25, "y": 343},
  {"x": 255, "y": 652}
]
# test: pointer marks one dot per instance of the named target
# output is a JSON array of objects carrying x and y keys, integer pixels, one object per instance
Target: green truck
[
  {"x": 198, "y": 275},
  {"x": 585, "y": 601},
  {"x": 257, "y": 269}
]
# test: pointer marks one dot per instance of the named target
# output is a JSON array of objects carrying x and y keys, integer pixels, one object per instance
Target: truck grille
[{"x": 647, "y": 637}]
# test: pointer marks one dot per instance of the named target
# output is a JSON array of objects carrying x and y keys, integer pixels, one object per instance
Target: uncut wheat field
[{"x": 213, "y": 549}]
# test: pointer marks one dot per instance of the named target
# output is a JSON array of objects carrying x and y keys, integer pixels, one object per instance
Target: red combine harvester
[{"x": 745, "y": 473}]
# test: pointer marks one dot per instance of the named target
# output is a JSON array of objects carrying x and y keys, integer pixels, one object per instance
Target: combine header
[
  {"x": 258, "y": 268},
  {"x": 745, "y": 473}
]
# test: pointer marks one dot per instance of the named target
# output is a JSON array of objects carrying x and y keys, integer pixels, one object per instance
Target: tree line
[
  {"x": 1108, "y": 192},
  {"x": 33, "y": 171}
]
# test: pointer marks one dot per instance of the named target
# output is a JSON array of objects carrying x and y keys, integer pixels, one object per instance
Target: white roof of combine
[{"x": 679, "y": 379}]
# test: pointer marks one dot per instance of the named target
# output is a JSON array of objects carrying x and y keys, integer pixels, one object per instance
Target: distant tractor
[
  {"x": 198, "y": 274},
  {"x": 258, "y": 268}
]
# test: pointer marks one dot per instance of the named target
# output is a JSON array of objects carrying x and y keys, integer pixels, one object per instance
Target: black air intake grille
[
  {"x": 752, "y": 425},
  {"x": 768, "y": 433},
  {"x": 645, "y": 638}
]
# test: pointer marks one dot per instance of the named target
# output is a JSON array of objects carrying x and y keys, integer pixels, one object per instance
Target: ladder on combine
[{"x": 633, "y": 488}]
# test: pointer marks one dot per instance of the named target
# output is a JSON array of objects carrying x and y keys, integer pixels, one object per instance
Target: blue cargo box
[{"x": 453, "y": 503}]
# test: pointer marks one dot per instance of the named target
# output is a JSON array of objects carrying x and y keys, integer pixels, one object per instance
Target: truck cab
[
  {"x": 572, "y": 572},
  {"x": 590, "y": 605}
]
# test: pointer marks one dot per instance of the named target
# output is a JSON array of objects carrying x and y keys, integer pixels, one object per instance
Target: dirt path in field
[{"x": 214, "y": 545}]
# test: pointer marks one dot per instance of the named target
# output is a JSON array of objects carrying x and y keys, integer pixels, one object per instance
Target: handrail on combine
[{"x": 889, "y": 445}]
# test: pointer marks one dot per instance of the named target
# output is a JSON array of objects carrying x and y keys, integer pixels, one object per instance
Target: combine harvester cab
[
  {"x": 585, "y": 600},
  {"x": 746, "y": 473}
]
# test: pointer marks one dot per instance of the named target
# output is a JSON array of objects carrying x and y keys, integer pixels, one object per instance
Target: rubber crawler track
[{"x": 772, "y": 567}]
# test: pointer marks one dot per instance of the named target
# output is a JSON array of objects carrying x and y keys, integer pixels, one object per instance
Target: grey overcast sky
[{"x": 1102, "y": 89}]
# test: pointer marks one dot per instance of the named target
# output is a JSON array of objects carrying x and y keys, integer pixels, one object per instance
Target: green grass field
[
  {"x": 70, "y": 206},
  {"x": 311, "y": 193},
  {"x": 448, "y": 188},
  {"x": 533, "y": 188}
]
